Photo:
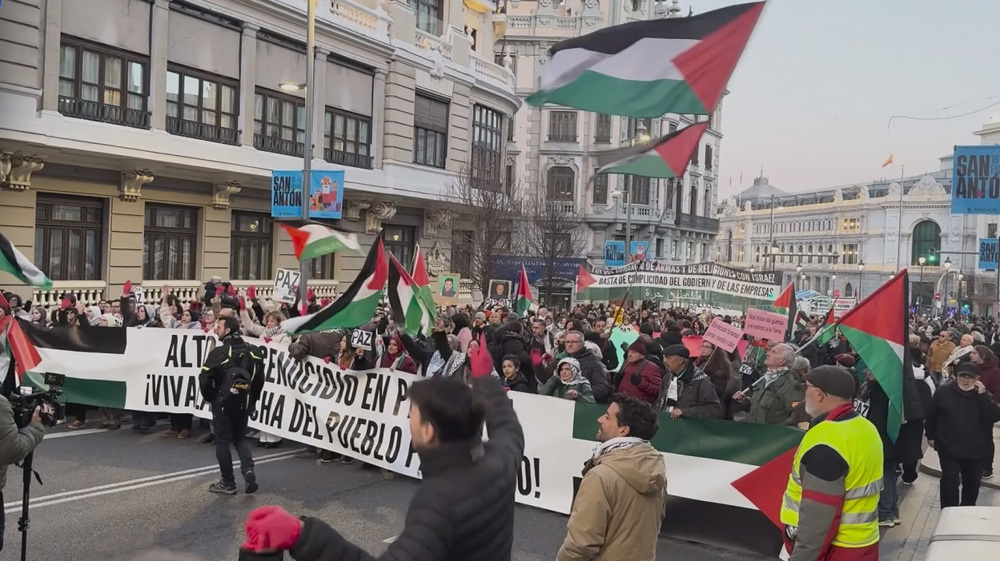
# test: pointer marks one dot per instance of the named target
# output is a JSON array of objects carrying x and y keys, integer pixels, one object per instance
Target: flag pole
[{"x": 899, "y": 228}]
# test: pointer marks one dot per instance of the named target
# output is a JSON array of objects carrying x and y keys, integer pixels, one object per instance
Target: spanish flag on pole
[{"x": 888, "y": 162}]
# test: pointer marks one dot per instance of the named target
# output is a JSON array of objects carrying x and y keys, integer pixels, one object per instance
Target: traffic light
[{"x": 931, "y": 257}]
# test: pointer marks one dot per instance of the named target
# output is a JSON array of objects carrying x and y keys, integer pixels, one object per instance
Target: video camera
[{"x": 29, "y": 399}]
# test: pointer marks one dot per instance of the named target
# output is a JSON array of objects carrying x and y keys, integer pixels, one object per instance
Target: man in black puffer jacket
[{"x": 464, "y": 508}]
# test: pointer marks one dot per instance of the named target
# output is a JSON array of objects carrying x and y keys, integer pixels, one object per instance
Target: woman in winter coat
[
  {"x": 959, "y": 426},
  {"x": 568, "y": 383},
  {"x": 395, "y": 357},
  {"x": 462, "y": 327},
  {"x": 909, "y": 443},
  {"x": 720, "y": 371}
]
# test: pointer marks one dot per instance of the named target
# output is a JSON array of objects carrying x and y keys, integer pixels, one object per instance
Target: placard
[
  {"x": 765, "y": 325},
  {"x": 286, "y": 286},
  {"x": 988, "y": 250},
  {"x": 448, "y": 285},
  {"x": 975, "y": 183},
  {"x": 139, "y": 295},
  {"x": 361, "y": 339},
  {"x": 723, "y": 335}
]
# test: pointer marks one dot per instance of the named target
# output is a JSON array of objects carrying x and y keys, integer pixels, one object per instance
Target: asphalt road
[{"x": 110, "y": 495}]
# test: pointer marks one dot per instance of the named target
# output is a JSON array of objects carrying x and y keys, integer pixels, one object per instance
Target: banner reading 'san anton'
[{"x": 975, "y": 183}]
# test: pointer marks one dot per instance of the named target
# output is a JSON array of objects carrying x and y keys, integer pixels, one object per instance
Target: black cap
[
  {"x": 834, "y": 380},
  {"x": 677, "y": 349},
  {"x": 968, "y": 369}
]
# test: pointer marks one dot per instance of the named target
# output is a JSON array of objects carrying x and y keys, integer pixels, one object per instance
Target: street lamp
[
  {"x": 861, "y": 278},
  {"x": 798, "y": 268},
  {"x": 947, "y": 264},
  {"x": 752, "y": 269},
  {"x": 958, "y": 303},
  {"x": 920, "y": 292}
]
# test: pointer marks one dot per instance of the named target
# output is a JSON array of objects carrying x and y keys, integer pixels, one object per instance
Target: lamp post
[
  {"x": 833, "y": 285},
  {"x": 752, "y": 269},
  {"x": 920, "y": 292},
  {"x": 307, "y": 150},
  {"x": 947, "y": 269},
  {"x": 958, "y": 303},
  {"x": 627, "y": 195},
  {"x": 861, "y": 278}
]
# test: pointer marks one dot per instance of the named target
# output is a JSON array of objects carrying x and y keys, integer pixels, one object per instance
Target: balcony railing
[
  {"x": 700, "y": 223},
  {"x": 561, "y": 207},
  {"x": 278, "y": 145},
  {"x": 201, "y": 131},
  {"x": 350, "y": 159},
  {"x": 102, "y": 112}
]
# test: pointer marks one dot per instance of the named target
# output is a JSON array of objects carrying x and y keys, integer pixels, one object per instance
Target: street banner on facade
[
  {"x": 765, "y": 325},
  {"x": 364, "y": 414},
  {"x": 723, "y": 335},
  {"x": 975, "y": 183},
  {"x": 614, "y": 253},
  {"x": 988, "y": 250},
  {"x": 326, "y": 194},
  {"x": 679, "y": 284}
]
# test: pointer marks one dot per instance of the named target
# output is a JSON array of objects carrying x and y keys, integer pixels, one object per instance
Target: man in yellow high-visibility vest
[{"x": 830, "y": 508}]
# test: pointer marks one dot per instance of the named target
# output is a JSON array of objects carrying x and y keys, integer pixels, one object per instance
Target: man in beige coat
[{"x": 617, "y": 512}]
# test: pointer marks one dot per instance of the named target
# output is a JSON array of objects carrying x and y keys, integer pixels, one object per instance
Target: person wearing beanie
[
  {"x": 830, "y": 506},
  {"x": 686, "y": 391},
  {"x": 959, "y": 426},
  {"x": 641, "y": 377}
]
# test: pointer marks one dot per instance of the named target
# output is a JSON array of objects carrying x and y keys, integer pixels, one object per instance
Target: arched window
[
  {"x": 729, "y": 246},
  {"x": 559, "y": 184},
  {"x": 810, "y": 254},
  {"x": 848, "y": 291},
  {"x": 926, "y": 238}
]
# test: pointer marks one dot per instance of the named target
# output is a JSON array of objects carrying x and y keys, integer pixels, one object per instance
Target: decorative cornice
[
  {"x": 130, "y": 189},
  {"x": 16, "y": 170},
  {"x": 221, "y": 192}
]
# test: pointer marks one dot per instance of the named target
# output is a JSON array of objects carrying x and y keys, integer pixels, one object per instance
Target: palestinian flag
[
  {"x": 877, "y": 329},
  {"x": 785, "y": 304},
  {"x": 356, "y": 306},
  {"x": 665, "y": 158},
  {"x": 584, "y": 279},
  {"x": 648, "y": 68},
  {"x": 15, "y": 263},
  {"x": 408, "y": 308},
  {"x": 827, "y": 330},
  {"x": 14, "y": 345},
  {"x": 423, "y": 284},
  {"x": 311, "y": 240},
  {"x": 524, "y": 298},
  {"x": 749, "y": 465}
]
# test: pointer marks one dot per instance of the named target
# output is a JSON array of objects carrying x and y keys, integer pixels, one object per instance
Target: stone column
[
  {"x": 248, "y": 82},
  {"x": 51, "y": 55},
  {"x": 158, "y": 46},
  {"x": 378, "y": 116}
]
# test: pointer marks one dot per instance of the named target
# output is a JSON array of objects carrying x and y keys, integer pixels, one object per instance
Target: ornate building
[{"x": 137, "y": 137}]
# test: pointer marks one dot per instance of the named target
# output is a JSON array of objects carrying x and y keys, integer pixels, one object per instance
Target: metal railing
[
  {"x": 104, "y": 113},
  {"x": 349, "y": 159},
  {"x": 201, "y": 131},
  {"x": 278, "y": 145},
  {"x": 700, "y": 223}
]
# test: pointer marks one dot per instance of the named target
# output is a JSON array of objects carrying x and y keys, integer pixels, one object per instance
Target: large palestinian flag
[
  {"x": 877, "y": 329},
  {"x": 423, "y": 284},
  {"x": 754, "y": 460},
  {"x": 311, "y": 240},
  {"x": 665, "y": 158},
  {"x": 15, "y": 263},
  {"x": 524, "y": 298},
  {"x": 356, "y": 306},
  {"x": 408, "y": 309},
  {"x": 785, "y": 304},
  {"x": 648, "y": 68}
]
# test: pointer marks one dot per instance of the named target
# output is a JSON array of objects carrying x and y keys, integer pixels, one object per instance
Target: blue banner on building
[
  {"x": 326, "y": 194},
  {"x": 640, "y": 248},
  {"x": 614, "y": 253},
  {"x": 975, "y": 184},
  {"x": 988, "y": 250},
  {"x": 509, "y": 267}
]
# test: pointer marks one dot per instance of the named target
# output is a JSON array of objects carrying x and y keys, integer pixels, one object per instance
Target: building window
[
  {"x": 708, "y": 201},
  {"x": 347, "y": 139},
  {"x": 693, "y": 203},
  {"x": 638, "y": 189},
  {"x": 991, "y": 230},
  {"x": 428, "y": 14},
  {"x": 638, "y": 127},
  {"x": 99, "y": 84},
  {"x": 461, "y": 252},
  {"x": 487, "y": 132},
  {"x": 251, "y": 242},
  {"x": 201, "y": 107},
  {"x": 708, "y": 158},
  {"x": 603, "y": 129},
  {"x": 600, "y": 188},
  {"x": 659, "y": 248},
  {"x": 279, "y": 123},
  {"x": 399, "y": 242},
  {"x": 849, "y": 253},
  {"x": 430, "y": 131},
  {"x": 559, "y": 184},
  {"x": 169, "y": 243},
  {"x": 69, "y": 237},
  {"x": 689, "y": 252},
  {"x": 673, "y": 249},
  {"x": 321, "y": 268},
  {"x": 926, "y": 240},
  {"x": 562, "y": 126},
  {"x": 673, "y": 127}
]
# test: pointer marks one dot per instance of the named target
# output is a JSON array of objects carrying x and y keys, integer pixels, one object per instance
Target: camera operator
[{"x": 16, "y": 443}]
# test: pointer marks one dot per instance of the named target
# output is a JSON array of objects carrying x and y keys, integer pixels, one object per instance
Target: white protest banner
[
  {"x": 286, "y": 284},
  {"x": 361, "y": 339},
  {"x": 765, "y": 325},
  {"x": 843, "y": 305},
  {"x": 364, "y": 414},
  {"x": 723, "y": 335}
]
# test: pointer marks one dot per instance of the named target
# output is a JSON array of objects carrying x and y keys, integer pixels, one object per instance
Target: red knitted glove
[
  {"x": 267, "y": 339},
  {"x": 243, "y": 304},
  {"x": 536, "y": 357},
  {"x": 327, "y": 359},
  {"x": 252, "y": 292},
  {"x": 271, "y": 528},
  {"x": 310, "y": 295},
  {"x": 232, "y": 290},
  {"x": 127, "y": 288}
]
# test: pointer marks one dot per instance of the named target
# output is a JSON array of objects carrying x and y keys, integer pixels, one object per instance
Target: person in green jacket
[
  {"x": 773, "y": 396},
  {"x": 569, "y": 382},
  {"x": 15, "y": 445}
]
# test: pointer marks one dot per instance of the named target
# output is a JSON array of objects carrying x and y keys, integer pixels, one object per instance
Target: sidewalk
[{"x": 931, "y": 465}]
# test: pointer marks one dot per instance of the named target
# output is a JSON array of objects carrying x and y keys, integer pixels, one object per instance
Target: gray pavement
[{"x": 110, "y": 495}]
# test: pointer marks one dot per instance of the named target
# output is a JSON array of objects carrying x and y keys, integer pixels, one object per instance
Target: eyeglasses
[{"x": 573, "y": 342}]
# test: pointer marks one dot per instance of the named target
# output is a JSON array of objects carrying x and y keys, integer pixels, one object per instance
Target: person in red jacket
[{"x": 640, "y": 377}]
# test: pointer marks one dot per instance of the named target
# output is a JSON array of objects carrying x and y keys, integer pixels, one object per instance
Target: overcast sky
[{"x": 811, "y": 98}]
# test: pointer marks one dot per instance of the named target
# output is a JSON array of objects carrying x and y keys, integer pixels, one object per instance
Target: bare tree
[
  {"x": 490, "y": 210},
  {"x": 555, "y": 233}
]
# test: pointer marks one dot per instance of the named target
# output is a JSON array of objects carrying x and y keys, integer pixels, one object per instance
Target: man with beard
[
  {"x": 464, "y": 508},
  {"x": 830, "y": 508}
]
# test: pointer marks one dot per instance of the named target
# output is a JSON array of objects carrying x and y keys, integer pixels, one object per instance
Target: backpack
[{"x": 234, "y": 389}]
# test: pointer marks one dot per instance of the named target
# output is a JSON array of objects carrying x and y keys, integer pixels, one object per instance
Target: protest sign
[
  {"x": 286, "y": 285},
  {"x": 765, "y": 325},
  {"x": 723, "y": 335}
]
